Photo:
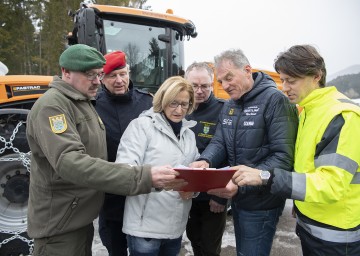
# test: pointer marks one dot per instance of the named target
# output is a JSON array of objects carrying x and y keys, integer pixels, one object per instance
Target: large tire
[
  {"x": 14, "y": 193},
  {"x": 14, "y": 185}
]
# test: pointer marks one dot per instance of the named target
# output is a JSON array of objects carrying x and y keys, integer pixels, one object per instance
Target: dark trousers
[
  {"x": 205, "y": 229},
  {"x": 75, "y": 243},
  {"x": 112, "y": 237},
  {"x": 313, "y": 246}
]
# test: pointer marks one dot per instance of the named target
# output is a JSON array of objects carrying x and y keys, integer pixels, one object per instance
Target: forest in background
[
  {"x": 33, "y": 32},
  {"x": 33, "y": 35}
]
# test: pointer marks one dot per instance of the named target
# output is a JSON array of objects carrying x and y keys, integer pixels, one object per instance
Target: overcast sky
[{"x": 263, "y": 28}]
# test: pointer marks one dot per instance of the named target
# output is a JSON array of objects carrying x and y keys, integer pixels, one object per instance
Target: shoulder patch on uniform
[{"x": 58, "y": 123}]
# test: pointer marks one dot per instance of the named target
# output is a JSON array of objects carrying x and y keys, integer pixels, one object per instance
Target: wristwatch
[{"x": 265, "y": 176}]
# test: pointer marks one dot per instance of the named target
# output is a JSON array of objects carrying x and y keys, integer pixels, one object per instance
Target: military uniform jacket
[{"x": 68, "y": 167}]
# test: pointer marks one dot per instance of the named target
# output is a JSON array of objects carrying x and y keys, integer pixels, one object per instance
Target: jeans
[
  {"x": 255, "y": 230},
  {"x": 139, "y": 246}
]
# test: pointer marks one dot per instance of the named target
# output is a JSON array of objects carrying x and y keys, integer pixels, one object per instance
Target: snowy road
[{"x": 285, "y": 243}]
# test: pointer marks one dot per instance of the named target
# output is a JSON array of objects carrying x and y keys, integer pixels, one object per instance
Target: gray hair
[
  {"x": 236, "y": 56},
  {"x": 199, "y": 66}
]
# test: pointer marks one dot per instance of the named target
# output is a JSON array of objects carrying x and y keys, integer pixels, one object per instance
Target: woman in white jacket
[{"x": 154, "y": 223}]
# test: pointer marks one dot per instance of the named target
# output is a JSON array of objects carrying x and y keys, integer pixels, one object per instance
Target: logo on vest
[
  {"x": 251, "y": 111},
  {"x": 249, "y": 123},
  {"x": 206, "y": 129},
  {"x": 58, "y": 123},
  {"x": 227, "y": 121}
]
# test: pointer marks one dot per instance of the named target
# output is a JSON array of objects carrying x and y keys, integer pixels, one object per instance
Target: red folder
[{"x": 202, "y": 179}]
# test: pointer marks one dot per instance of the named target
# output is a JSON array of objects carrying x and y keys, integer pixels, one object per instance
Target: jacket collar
[
  {"x": 262, "y": 82},
  {"x": 158, "y": 118},
  {"x": 123, "y": 97},
  {"x": 204, "y": 104},
  {"x": 67, "y": 89},
  {"x": 317, "y": 97}
]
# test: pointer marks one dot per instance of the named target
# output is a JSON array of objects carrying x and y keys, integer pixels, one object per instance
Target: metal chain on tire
[
  {"x": 16, "y": 235},
  {"x": 25, "y": 160}
]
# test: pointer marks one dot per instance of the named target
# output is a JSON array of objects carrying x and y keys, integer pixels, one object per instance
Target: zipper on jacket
[
  {"x": 300, "y": 128},
  {"x": 235, "y": 133},
  {"x": 144, "y": 207},
  {"x": 68, "y": 213}
]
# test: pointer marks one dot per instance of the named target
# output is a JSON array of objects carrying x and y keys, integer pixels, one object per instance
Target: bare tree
[{"x": 132, "y": 51}]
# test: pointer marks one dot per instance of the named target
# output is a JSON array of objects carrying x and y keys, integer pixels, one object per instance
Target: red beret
[{"x": 114, "y": 60}]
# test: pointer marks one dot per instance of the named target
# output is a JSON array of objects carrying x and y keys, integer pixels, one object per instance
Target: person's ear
[
  {"x": 317, "y": 77},
  {"x": 65, "y": 72},
  {"x": 247, "y": 69}
]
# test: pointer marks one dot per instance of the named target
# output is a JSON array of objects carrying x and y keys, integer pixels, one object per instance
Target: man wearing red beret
[{"x": 117, "y": 104}]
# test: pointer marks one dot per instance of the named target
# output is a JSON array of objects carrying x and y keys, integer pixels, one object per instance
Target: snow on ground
[{"x": 285, "y": 242}]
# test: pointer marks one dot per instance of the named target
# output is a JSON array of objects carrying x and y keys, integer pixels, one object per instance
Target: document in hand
[{"x": 204, "y": 179}]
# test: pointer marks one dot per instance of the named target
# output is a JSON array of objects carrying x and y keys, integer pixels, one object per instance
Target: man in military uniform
[{"x": 69, "y": 171}]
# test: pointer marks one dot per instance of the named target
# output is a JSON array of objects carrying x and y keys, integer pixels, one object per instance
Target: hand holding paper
[
  {"x": 204, "y": 179},
  {"x": 228, "y": 192}
]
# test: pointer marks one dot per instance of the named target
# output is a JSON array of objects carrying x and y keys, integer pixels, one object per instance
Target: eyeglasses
[
  {"x": 91, "y": 76},
  {"x": 184, "y": 105},
  {"x": 202, "y": 87}
]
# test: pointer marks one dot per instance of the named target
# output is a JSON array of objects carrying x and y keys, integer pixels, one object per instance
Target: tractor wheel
[{"x": 14, "y": 193}]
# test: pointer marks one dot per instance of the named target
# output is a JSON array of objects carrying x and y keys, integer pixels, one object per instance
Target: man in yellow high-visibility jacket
[{"x": 325, "y": 183}]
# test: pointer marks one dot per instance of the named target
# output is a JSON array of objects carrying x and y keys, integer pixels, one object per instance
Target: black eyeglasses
[
  {"x": 91, "y": 76},
  {"x": 184, "y": 105}
]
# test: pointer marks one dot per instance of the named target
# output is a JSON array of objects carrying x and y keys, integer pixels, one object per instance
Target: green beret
[{"x": 80, "y": 57}]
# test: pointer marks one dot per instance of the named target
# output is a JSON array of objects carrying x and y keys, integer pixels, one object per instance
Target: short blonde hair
[{"x": 168, "y": 92}]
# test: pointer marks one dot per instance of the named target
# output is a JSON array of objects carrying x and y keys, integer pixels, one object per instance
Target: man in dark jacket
[
  {"x": 207, "y": 218},
  {"x": 258, "y": 129},
  {"x": 325, "y": 184},
  {"x": 117, "y": 104}
]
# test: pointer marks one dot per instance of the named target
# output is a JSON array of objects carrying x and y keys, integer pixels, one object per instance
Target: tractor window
[
  {"x": 146, "y": 54},
  {"x": 177, "y": 52}
]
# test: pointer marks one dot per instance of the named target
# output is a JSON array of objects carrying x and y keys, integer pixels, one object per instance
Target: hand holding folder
[{"x": 204, "y": 179}]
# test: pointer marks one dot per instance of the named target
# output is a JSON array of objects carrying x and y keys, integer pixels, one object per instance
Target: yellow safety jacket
[{"x": 327, "y": 178}]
